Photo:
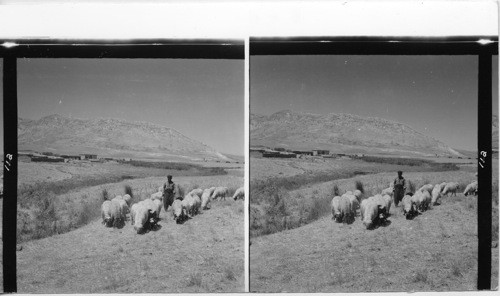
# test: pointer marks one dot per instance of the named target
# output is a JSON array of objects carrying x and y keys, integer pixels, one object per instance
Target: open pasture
[
  {"x": 297, "y": 247},
  {"x": 79, "y": 254}
]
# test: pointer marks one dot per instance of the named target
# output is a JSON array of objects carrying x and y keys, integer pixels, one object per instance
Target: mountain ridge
[
  {"x": 113, "y": 137},
  {"x": 343, "y": 132}
]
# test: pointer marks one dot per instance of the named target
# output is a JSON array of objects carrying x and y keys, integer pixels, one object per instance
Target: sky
[
  {"x": 436, "y": 95},
  {"x": 201, "y": 98}
]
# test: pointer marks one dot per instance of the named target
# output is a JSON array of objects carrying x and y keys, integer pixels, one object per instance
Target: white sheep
[
  {"x": 205, "y": 199},
  {"x": 154, "y": 206},
  {"x": 128, "y": 199},
  {"x": 187, "y": 205},
  {"x": 451, "y": 187},
  {"x": 382, "y": 205},
  {"x": 178, "y": 211},
  {"x": 409, "y": 207},
  {"x": 116, "y": 213},
  {"x": 436, "y": 194},
  {"x": 354, "y": 204},
  {"x": 157, "y": 195},
  {"x": 196, "y": 204},
  {"x": 239, "y": 193},
  {"x": 388, "y": 191},
  {"x": 427, "y": 187},
  {"x": 220, "y": 192},
  {"x": 369, "y": 213},
  {"x": 471, "y": 189},
  {"x": 124, "y": 209},
  {"x": 388, "y": 202},
  {"x": 106, "y": 213},
  {"x": 335, "y": 207},
  {"x": 197, "y": 192},
  {"x": 359, "y": 195},
  {"x": 141, "y": 218}
]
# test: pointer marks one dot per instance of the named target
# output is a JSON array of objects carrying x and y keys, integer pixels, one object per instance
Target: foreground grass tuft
[
  {"x": 194, "y": 280},
  {"x": 104, "y": 194},
  {"x": 129, "y": 191}
]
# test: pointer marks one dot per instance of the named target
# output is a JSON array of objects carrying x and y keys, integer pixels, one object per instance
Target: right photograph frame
[{"x": 373, "y": 164}]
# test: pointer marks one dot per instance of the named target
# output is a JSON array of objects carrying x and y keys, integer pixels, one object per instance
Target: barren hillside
[
  {"x": 342, "y": 133},
  {"x": 109, "y": 137}
]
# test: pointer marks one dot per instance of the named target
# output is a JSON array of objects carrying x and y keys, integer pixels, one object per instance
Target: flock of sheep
[
  {"x": 374, "y": 210},
  {"x": 145, "y": 214}
]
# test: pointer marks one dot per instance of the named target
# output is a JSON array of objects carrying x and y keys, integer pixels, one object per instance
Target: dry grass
[
  {"x": 49, "y": 208},
  {"x": 205, "y": 254}
]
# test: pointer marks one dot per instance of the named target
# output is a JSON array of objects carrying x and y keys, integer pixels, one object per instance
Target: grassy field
[
  {"x": 205, "y": 254},
  {"x": 60, "y": 231},
  {"x": 56, "y": 198},
  {"x": 296, "y": 247}
]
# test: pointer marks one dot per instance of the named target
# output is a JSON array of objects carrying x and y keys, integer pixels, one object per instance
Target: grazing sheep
[
  {"x": 388, "y": 202},
  {"x": 197, "y": 192},
  {"x": 354, "y": 204},
  {"x": 346, "y": 208},
  {"x": 417, "y": 200},
  {"x": 178, "y": 211},
  {"x": 436, "y": 194},
  {"x": 106, "y": 213},
  {"x": 124, "y": 209},
  {"x": 451, "y": 187},
  {"x": 116, "y": 213},
  {"x": 425, "y": 200},
  {"x": 359, "y": 195},
  {"x": 335, "y": 206},
  {"x": 196, "y": 204},
  {"x": 382, "y": 206},
  {"x": 388, "y": 191},
  {"x": 160, "y": 189},
  {"x": 369, "y": 213},
  {"x": 239, "y": 193},
  {"x": 427, "y": 187},
  {"x": 211, "y": 189},
  {"x": 187, "y": 204},
  {"x": 154, "y": 206},
  {"x": 157, "y": 195},
  {"x": 141, "y": 218},
  {"x": 409, "y": 207},
  {"x": 128, "y": 199},
  {"x": 220, "y": 192},
  {"x": 471, "y": 189},
  {"x": 205, "y": 199}
]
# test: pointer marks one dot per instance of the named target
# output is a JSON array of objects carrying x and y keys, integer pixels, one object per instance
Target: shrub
[
  {"x": 335, "y": 190},
  {"x": 104, "y": 194},
  {"x": 194, "y": 280},
  {"x": 359, "y": 186},
  {"x": 410, "y": 187},
  {"x": 129, "y": 191},
  {"x": 318, "y": 208}
]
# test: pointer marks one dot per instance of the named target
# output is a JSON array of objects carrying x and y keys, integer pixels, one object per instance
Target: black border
[
  {"x": 45, "y": 48},
  {"x": 458, "y": 45}
]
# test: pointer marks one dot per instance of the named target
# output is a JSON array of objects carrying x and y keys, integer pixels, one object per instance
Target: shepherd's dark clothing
[
  {"x": 399, "y": 189},
  {"x": 168, "y": 194}
]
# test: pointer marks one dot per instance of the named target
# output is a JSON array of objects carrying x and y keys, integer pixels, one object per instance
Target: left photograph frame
[{"x": 126, "y": 173}]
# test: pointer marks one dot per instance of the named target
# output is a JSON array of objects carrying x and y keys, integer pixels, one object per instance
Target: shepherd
[
  {"x": 168, "y": 192},
  {"x": 399, "y": 188}
]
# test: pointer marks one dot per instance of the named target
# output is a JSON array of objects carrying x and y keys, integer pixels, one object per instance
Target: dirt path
[
  {"x": 205, "y": 254},
  {"x": 435, "y": 251}
]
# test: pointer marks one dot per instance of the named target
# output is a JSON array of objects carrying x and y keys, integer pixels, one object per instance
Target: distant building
[
  {"x": 72, "y": 157},
  {"x": 303, "y": 152},
  {"x": 320, "y": 152},
  {"x": 88, "y": 156}
]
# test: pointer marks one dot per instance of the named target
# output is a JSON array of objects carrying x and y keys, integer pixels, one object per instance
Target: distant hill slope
[
  {"x": 109, "y": 137},
  {"x": 342, "y": 133}
]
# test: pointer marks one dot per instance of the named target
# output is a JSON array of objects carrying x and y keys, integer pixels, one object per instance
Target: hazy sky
[
  {"x": 436, "y": 95},
  {"x": 203, "y": 99}
]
